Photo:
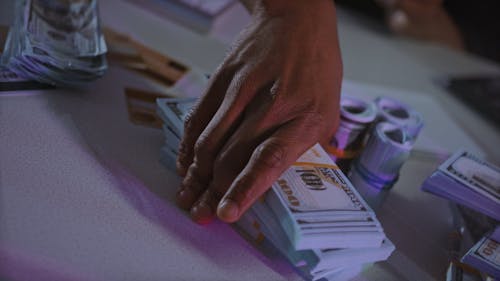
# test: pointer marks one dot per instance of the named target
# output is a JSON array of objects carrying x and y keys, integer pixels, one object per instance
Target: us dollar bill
[
  {"x": 469, "y": 181},
  {"x": 485, "y": 256},
  {"x": 315, "y": 184},
  {"x": 475, "y": 173},
  {"x": 173, "y": 111},
  {"x": 69, "y": 26}
]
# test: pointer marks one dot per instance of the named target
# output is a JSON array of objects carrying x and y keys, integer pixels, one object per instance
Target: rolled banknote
[
  {"x": 386, "y": 151},
  {"x": 356, "y": 115},
  {"x": 395, "y": 112}
]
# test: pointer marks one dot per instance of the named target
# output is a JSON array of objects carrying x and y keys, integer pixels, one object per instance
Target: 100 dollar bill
[
  {"x": 315, "y": 184},
  {"x": 474, "y": 173},
  {"x": 485, "y": 256}
]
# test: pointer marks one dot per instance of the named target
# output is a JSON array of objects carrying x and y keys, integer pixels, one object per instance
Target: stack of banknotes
[
  {"x": 469, "y": 181},
  {"x": 56, "y": 42},
  {"x": 485, "y": 255},
  {"x": 172, "y": 111},
  {"x": 312, "y": 214}
]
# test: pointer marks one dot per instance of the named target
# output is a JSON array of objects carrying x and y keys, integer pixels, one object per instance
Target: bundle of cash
[
  {"x": 468, "y": 180},
  {"x": 264, "y": 229},
  {"x": 312, "y": 214},
  {"x": 377, "y": 168},
  {"x": 395, "y": 112},
  {"x": 485, "y": 255},
  {"x": 386, "y": 151},
  {"x": 172, "y": 111},
  {"x": 317, "y": 205},
  {"x": 56, "y": 42},
  {"x": 356, "y": 115}
]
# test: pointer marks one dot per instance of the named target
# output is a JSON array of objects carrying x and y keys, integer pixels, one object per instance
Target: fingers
[
  {"x": 230, "y": 161},
  {"x": 232, "y": 158},
  {"x": 204, "y": 209},
  {"x": 215, "y": 134},
  {"x": 267, "y": 162},
  {"x": 202, "y": 113}
]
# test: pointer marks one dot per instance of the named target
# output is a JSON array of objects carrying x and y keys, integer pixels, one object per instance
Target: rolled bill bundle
[
  {"x": 356, "y": 115},
  {"x": 385, "y": 152},
  {"x": 396, "y": 112},
  {"x": 373, "y": 195}
]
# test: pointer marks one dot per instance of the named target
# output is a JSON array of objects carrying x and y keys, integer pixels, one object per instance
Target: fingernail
[
  {"x": 228, "y": 210},
  {"x": 202, "y": 213}
]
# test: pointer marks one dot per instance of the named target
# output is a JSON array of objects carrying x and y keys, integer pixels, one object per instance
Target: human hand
[
  {"x": 274, "y": 96},
  {"x": 424, "y": 20}
]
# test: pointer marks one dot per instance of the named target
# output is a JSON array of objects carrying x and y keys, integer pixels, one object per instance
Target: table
[{"x": 83, "y": 196}]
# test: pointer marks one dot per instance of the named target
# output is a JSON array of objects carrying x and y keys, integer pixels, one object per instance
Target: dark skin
[{"x": 275, "y": 95}]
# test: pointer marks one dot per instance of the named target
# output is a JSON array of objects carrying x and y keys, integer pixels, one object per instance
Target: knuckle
[
  {"x": 215, "y": 194},
  {"x": 271, "y": 154},
  {"x": 189, "y": 120},
  {"x": 219, "y": 162},
  {"x": 185, "y": 154},
  {"x": 204, "y": 147},
  {"x": 184, "y": 150},
  {"x": 314, "y": 123},
  {"x": 194, "y": 180},
  {"x": 243, "y": 191}
]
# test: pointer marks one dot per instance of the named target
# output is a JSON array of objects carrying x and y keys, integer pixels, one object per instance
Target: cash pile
[
  {"x": 395, "y": 112},
  {"x": 469, "y": 181},
  {"x": 373, "y": 141},
  {"x": 358, "y": 120},
  {"x": 377, "y": 168},
  {"x": 312, "y": 214},
  {"x": 317, "y": 220},
  {"x": 56, "y": 42},
  {"x": 485, "y": 255},
  {"x": 474, "y": 183}
]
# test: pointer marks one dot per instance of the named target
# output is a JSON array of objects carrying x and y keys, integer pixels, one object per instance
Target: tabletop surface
[{"x": 83, "y": 196}]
